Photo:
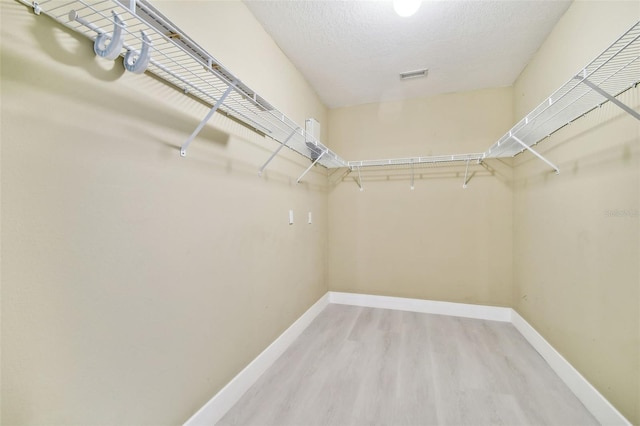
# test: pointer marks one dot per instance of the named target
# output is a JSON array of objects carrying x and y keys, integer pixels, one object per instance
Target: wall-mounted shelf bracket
[
  {"x": 412, "y": 177},
  {"x": 360, "y": 180},
  {"x": 36, "y": 8},
  {"x": 466, "y": 173},
  {"x": 183, "y": 148},
  {"x": 534, "y": 152},
  {"x": 312, "y": 164},
  {"x": 609, "y": 96},
  {"x": 284, "y": 143}
]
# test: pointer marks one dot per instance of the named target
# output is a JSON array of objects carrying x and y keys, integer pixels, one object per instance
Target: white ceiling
[{"x": 353, "y": 51}]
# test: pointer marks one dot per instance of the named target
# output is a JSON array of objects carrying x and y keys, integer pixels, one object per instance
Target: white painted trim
[
  {"x": 218, "y": 406},
  {"x": 593, "y": 400},
  {"x": 494, "y": 313}
]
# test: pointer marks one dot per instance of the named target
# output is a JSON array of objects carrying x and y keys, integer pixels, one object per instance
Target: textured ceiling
[{"x": 353, "y": 51}]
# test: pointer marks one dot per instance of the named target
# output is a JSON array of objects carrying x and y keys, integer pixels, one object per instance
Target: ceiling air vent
[{"x": 413, "y": 74}]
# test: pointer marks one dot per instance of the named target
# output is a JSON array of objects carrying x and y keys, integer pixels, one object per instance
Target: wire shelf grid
[{"x": 184, "y": 64}]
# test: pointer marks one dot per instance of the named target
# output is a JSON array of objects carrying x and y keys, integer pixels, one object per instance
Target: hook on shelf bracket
[
  {"x": 312, "y": 164},
  {"x": 282, "y": 145},
  {"x": 528, "y": 148},
  {"x": 609, "y": 97},
  {"x": 113, "y": 49},
  {"x": 137, "y": 62},
  {"x": 183, "y": 148}
]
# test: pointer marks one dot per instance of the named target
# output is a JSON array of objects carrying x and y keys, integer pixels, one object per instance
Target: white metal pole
[
  {"x": 312, "y": 164},
  {"x": 286, "y": 141},
  {"x": 183, "y": 148},
  {"x": 527, "y": 147}
]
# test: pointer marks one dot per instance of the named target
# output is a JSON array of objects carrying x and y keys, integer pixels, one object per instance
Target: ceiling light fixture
[
  {"x": 413, "y": 74},
  {"x": 406, "y": 8}
]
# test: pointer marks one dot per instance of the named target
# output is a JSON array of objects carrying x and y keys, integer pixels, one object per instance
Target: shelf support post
[
  {"x": 183, "y": 148},
  {"x": 609, "y": 97},
  {"x": 466, "y": 172},
  {"x": 312, "y": 164},
  {"x": 282, "y": 145},
  {"x": 412, "y": 175},
  {"x": 528, "y": 148},
  {"x": 360, "y": 180}
]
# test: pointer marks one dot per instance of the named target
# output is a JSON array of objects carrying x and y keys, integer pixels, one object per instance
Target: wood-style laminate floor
[{"x": 365, "y": 366}]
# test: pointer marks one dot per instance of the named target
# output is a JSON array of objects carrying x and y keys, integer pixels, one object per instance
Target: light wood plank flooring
[{"x": 364, "y": 366}]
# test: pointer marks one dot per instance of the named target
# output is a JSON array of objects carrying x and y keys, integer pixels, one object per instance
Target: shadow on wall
[
  {"x": 590, "y": 164},
  {"x": 73, "y": 51}
]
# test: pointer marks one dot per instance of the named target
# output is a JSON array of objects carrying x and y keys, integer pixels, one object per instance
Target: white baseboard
[
  {"x": 597, "y": 404},
  {"x": 493, "y": 313},
  {"x": 593, "y": 400},
  {"x": 218, "y": 406}
]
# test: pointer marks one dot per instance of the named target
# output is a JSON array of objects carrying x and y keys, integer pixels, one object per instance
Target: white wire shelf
[
  {"x": 412, "y": 161},
  {"x": 181, "y": 62},
  {"x": 614, "y": 71}
]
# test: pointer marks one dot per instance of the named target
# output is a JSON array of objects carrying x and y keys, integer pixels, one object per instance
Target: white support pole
[
  {"x": 466, "y": 172},
  {"x": 286, "y": 141},
  {"x": 609, "y": 97},
  {"x": 527, "y": 147},
  {"x": 183, "y": 148},
  {"x": 312, "y": 164},
  {"x": 412, "y": 176}
]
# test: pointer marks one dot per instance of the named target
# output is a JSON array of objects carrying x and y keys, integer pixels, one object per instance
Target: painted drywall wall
[
  {"x": 576, "y": 235},
  {"x": 437, "y": 241},
  {"x": 136, "y": 283}
]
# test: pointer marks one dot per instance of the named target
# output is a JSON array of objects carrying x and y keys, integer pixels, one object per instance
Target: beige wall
[
  {"x": 136, "y": 283},
  {"x": 438, "y": 241},
  {"x": 576, "y": 267}
]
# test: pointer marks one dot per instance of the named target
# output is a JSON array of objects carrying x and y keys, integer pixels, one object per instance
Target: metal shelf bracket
[
  {"x": 286, "y": 141},
  {"x": 609, "y": 97},
  {"x": 466, "y": 172},
  {"x": 360, "y": 180},
  {"x": 412, "y": 176},
  {"x": 312, "y": 164},
  {"x": 183, "y": 148},
  {"x": 534, "y": 152}
]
